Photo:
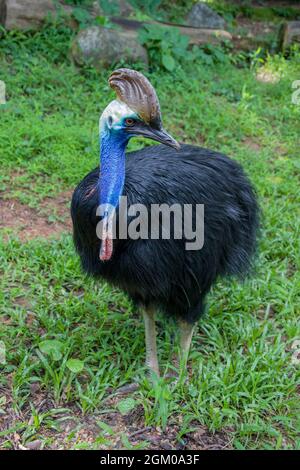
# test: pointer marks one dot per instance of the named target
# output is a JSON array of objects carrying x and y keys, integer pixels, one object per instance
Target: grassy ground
[{"x": 242, "y": 386}]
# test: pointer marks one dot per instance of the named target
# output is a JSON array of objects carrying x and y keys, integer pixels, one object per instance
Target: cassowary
[{"x": 160, "y": 272}]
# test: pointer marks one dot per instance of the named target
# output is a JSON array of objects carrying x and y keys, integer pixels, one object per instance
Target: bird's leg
[
  {"x": 150, "y": 336},
  {"x": 186, "y": 334}
]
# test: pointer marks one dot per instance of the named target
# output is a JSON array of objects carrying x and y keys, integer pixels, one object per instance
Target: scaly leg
[
  {"x": 186, "y": 334},
  {"x": 150, "y": 336}
]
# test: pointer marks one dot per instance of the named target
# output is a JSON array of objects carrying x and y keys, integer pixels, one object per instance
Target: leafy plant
[
  {"x": 82, "y": 16},
  {"x": 105, "y": 22},
  {"x": 165, "y": 46},
  {"x": 126, "y": 405},
  {"x": 112, "y": 7},
  {"x": 53, "y": 348},
  {"x": 75, "y": 365},
  {"x": 168, "y": 49},
  {"x": 212, "y": 54},
  {"x": 149, "y": 7},
  {"x": 109, "y": 7}
]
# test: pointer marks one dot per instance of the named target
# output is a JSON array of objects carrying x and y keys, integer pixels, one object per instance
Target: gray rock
[
  {"x": 30, "y": 14},
  {"x": 34, "y": 445},
  {"x": 289, "y": 34},
  {"x": 201, "y": 16},
  {"x": 103, "y": 47}
]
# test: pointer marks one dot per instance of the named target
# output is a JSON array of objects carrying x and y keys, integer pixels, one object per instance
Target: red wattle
[{"x": 106, "y": 249}]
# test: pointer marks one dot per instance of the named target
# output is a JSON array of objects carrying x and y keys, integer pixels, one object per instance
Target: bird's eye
[{"x": 129, "y": 122}]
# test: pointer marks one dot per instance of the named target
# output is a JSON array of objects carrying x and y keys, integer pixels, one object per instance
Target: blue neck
[{"x": 112, "y": 168}]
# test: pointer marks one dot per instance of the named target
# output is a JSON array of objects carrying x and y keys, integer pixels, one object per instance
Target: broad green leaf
[
  {"x": 168, "y": 62},
  {"x": 52, "y": 347},
  {"x": 2, "y": 400},
  {"x": 126, "y": 405},
  {"x": 75, "y": 365},
  {"x": 106, "y": 428}
]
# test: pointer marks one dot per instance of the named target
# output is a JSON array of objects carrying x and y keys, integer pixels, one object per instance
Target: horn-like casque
[{"x": 134, "y": 89}]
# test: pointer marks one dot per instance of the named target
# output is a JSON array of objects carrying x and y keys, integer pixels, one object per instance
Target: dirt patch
[
  {"x": 59, "y": 205},
  {"x": 75, "y": 430},
  {"x": 28, "y": 223},
  {"x": 252, "y": 144}
]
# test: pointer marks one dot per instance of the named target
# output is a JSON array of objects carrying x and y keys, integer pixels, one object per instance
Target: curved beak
[{"x": 160, "y": 135}]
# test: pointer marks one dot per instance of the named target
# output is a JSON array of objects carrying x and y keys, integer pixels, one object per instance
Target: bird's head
[{"x": 136, "y": 112}]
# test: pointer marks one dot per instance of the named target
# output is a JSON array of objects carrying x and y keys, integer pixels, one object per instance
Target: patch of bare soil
[
  {"x": 75, "y": 429},
  {"x": 59, "y": 204},
  {"x": 252, "y": 144},
  {"x": 30, "y": 223}
]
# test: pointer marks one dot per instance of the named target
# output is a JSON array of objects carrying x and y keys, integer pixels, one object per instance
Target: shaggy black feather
[{"x": 162, "y": 272}]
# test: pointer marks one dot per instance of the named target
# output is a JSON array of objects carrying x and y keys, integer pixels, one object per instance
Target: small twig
[
  {"x": 127, "y": 389},
  {"x": 140, "y": 431}
]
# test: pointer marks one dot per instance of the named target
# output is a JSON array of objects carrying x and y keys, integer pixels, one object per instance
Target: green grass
[{"x": 243, "y": 379}]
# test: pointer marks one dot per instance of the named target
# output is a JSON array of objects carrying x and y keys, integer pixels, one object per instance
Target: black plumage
[{"x": 161, "y": 272}]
